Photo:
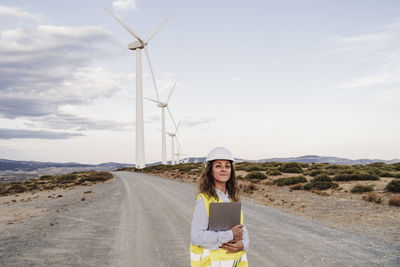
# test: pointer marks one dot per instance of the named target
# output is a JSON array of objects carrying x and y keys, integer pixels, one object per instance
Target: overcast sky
[{"x": 263, "y": 78}]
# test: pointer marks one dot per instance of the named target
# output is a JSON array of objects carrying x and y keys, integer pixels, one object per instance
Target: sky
[{"x": 262, "y": 78}]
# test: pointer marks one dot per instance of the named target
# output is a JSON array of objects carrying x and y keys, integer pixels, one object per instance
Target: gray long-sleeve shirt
[{"x": 212, "y": 240}]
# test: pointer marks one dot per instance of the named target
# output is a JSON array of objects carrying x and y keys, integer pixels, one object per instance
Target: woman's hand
[
  {"x": 233, "y": 246},
  {"x": 237, "y": 231}
]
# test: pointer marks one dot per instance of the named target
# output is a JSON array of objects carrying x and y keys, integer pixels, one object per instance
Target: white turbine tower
[
  {"x": 173, "y": 137},
  {"x": 163, "y": 106},
  {"x": 138, "y": 45}
]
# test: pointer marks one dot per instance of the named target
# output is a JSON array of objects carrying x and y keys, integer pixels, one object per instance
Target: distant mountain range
[
  {"x": 304, "y": 159},
  {"x": 55, "y": 168},
  {"x": 14, "y": 165}
]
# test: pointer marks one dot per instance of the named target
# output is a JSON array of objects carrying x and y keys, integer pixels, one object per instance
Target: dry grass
[
  {"x": 48, "y": 182},
  {"x": 372, "y": 197},
  {"x": 394, "y": 201}
]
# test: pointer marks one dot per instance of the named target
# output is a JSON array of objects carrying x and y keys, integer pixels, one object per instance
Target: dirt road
[{"x": 142, "y": 220}]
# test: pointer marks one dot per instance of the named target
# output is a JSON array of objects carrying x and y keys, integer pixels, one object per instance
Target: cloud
[
  {"x": 380, "y": 48},
  {"x": 195, "y": 121},
  {"x": 16, "y": 12},
  {"x": 392, "y": 77},
  {"x": 24, "y": 134},
  {"x": 124, "y": 5},
  {"x": 235, "y": 79},
  {"x": 385, "y": 37},
  {"x": 48, "y": 66},
  {"x": 77, "y": 123}
]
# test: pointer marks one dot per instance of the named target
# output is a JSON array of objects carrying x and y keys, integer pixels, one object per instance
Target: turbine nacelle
[
  {"x": 162, "y": 105},
  {"x": 136, "y": 45}
]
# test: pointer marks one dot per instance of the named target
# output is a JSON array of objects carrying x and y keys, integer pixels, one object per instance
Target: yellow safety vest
[{"x": 202, "y": 257}]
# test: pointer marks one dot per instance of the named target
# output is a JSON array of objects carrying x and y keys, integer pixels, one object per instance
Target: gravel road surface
[{"x": 143, "y": 220}]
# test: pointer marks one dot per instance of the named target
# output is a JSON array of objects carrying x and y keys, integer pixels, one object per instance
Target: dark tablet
[{"x": 224, "y": 215}]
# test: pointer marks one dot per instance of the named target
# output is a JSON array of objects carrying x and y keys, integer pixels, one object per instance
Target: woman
[{"x": 217, "y": 184}]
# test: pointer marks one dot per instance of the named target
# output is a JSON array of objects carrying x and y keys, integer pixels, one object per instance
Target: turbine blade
[
  {"x": 123, "y": 25},
  {"x": 156, "y": 30},
  {"x": 178, "y": 145},
  {"x": 152, "y": 73},
  {"x": 172, "y": 117},
  {"x": 170, "y": 93},
  {"x": 155, "y": 101},
  {"x": 177, "y": 127}
]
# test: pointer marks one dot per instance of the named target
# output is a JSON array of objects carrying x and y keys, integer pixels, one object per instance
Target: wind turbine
[
  {"x": 138, "y": 46},
  {"x": 164, "y": 105},
  {"x": 173, "y": 137},
  {"x": 180, "y": 151}
]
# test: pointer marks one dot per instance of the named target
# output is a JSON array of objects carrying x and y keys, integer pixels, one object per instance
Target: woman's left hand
[{"x": 233, "y": 246}]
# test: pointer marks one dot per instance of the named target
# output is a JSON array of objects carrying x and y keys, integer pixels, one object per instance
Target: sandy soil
[
  {"x": 23, "y": 206},
  {"x": 338, "y": 208}
]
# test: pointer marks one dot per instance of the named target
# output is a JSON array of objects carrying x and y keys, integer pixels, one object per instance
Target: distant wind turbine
[
  {"x": 173, "y": 137},
  {"x": 138, "y": 45},
  {"x": 163, "y": 105}
]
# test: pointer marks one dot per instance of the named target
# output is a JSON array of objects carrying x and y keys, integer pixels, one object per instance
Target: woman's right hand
[{"x": 237, "y": 231}]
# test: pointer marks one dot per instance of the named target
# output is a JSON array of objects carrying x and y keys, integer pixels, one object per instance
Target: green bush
[
  {"x": 323, "y": 177},
  {"x": 274, "y": 172},
  {"x": 291, "y": 167},
  {"x": 45, "y": 177},
  {"x": 320, "y": 185},
  {"x": 255, "y": 175},
  {"x": 97, "y": 176},
  {"x": 387, "y": 174},
  {"x": 296, "y": 187},
  {"x": 316, "y": 172},
  {"x": 253, "y": 168},
  {"x": 396, "y": 166},
  {"x": 362, "y": 189},
  {"x": 17, "y": 188},
  {"x": 290, "y": 180},
  {"x": 393, "y": 186},
  {"x": 355, "y": 176},
  {"x": 66, "y": 178}
]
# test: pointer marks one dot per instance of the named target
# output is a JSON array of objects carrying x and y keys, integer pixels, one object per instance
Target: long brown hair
[{"x": 206, "y": 183}]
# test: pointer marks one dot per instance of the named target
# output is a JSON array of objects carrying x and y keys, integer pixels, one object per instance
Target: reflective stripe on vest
[{"x": 202, "y": 257}]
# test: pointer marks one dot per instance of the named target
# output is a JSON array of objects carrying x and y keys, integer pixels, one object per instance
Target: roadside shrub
[
  {"x": 291, "y": 167},
  {"x": 323, "y": 177},
  {"x": 393, "y": 186},
  {"x": 394, "y": 201},
  {"x": 240, "y": 177},
  {"x": 320, "y": 185},
  {"x": 66, "y": 178},
  {"x": 255, "y": 175},
  {"x": 290, "y": 180},
  {"x": 355, "y": 176},
  {"x": 296, "y": 187},
  {"x": 17, "y": 188},
  {"x": 274, "y": 172},
  {"x": 357, "y": 189},
  {"x": 372, "y": 197},
  {"x": 45, "y": 177},
  {"x": 249, "y": 188},
  {"x": 97, "y": 176}
]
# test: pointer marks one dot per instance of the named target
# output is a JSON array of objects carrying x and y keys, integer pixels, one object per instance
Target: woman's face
[{"x": 221, "y": 171}]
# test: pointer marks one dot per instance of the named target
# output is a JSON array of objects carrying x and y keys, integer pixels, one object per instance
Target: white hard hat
[{"x": 219, "y": 153}]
